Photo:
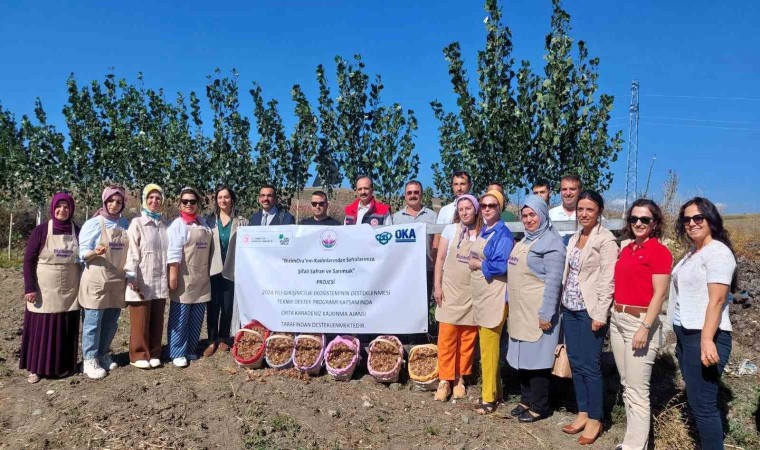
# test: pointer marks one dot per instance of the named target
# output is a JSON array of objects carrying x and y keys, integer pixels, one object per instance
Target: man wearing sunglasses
[
  {"x": 270, "y": 213},
  {"x": 319, "y": 205}
]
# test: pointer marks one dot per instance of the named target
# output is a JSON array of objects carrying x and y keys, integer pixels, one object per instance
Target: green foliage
[{"x": 521, "y": 126}]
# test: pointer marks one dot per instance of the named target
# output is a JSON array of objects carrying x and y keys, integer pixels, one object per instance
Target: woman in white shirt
[
  {"x": 188, "y": 258},
  {"x": 698, "y": 311}
]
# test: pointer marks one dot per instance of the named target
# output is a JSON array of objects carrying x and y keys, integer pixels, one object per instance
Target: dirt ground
[{"x": 214, "y": 404}]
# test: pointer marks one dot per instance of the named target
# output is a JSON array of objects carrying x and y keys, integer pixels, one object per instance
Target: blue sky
[{"x": 697, "y": 61}]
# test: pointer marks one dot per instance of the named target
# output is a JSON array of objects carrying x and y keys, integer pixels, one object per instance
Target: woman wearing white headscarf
[{"x": 535, "y": 270}]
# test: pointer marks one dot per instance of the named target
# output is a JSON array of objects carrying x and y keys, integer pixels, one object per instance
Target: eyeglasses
[
  {"x": 186, "y": 202},
  {"x": 698, "y": 219},
  {"x": 318, "y": 204},
  {"x": 412, "y": 192},
  {"x": 645, "y": 220},
  {"x": 489, "y": 205}
]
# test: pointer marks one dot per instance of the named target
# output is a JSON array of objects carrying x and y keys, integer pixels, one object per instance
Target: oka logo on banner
[
  {"x": 384, "y": 238},
  {"x": 406, "y": 235}
]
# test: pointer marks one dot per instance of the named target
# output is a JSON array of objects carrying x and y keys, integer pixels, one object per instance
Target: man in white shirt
[
  {"x": 570, "y": 188},
  {"x": 461, "y": 183}
]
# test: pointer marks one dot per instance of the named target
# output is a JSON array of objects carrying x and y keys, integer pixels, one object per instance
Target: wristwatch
[{"x": 646, "y": 325}]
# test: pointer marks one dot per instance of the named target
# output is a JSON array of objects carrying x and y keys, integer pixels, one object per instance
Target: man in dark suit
[{"x": 270, "y": 213}]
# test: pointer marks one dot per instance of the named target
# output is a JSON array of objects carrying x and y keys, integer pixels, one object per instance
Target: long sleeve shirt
[
  {"x": 497, "y": 250},
  {"x": 89, "y": 237},
  {"x": 546, "y": 259},
  {"x": 32, "y": 253},
  {"x": 177, "y": 234}
]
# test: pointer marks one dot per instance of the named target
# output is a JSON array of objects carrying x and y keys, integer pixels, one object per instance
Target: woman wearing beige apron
[
  {"x": 147, "y": 280},
  {"x": 488, "y": 262},
  {"x": 188, "y": 257},
  {"x": 103, "y": 245},
  {"x": 51, "y": 281},
  {"x": 453, "y": 298},
  {"x": 219, "y": 313},
  {"x": 535, "y": 282}
]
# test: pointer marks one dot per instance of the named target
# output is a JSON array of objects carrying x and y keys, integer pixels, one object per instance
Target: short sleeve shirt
[
  {"x": 634, "y": 270},
  {"x": 446, "y": 214}
]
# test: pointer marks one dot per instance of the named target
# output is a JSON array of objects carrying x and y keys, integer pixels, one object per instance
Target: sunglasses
[
  {"x": 318, "y": 203},
  {"x": 186, "y": 202},
  {"x": 489, "y": 205},
  {"x": 698, "y": 219},
  {"x": 412, "y": 192},
  {"x": 645, "y": 220}
]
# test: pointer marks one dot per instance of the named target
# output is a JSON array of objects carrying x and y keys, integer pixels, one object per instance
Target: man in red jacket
[{"x": 366, "y": 209}]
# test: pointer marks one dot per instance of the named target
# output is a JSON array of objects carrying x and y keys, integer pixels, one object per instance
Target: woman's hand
[
  {"x": 30, "y": 297},
  {"x": 596, "y": 325},
  {"x": 172, "y": 281},
  {"x": 100, "y": 249},
  {"x": 709, "y": 353},
  {"x": 544, "y": 325},
  {"x": 438, "y": 295},
  {"x": 475, "y": 263},
  {"x": 135, "y": 288},
  {"x": 640, "y": 339}
]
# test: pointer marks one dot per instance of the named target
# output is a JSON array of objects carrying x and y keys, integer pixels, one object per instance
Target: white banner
[{"x": 333, "y": 279}]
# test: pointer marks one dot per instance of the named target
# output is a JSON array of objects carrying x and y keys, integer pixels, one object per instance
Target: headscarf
[
  {"x": 62, "y": 226},
  {"x": 109, "y": 192},
  {"x": 538, "y": 205},
  {"x": 188, "y": 218},
  {"x": 146, "y": 191},
  {"x": 498, "y": 196},
  {"x": 475, "y": 203}
]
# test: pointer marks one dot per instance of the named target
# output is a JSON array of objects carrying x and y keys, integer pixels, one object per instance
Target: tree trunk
[{"x": 10, "y": 235}]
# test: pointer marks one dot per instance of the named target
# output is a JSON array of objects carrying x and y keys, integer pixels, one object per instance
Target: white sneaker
[
  {"x": 180, "y": 362},
  {"x": 141, "y": 364},
  {"x": 107, "y": 363},
  {"x": 92, "y": 369},
  {"x": 155, "y": 362}
]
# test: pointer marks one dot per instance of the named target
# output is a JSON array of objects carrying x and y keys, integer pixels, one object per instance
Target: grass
[{"x": 15, "y": 260}]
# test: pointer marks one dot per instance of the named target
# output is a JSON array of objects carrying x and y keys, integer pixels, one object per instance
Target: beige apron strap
[{"x": 103, "y": 231}]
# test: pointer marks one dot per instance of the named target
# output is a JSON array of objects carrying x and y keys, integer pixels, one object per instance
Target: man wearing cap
[
  {"x": 365, "y": 209},
  {"x": 270, "y": 213}
]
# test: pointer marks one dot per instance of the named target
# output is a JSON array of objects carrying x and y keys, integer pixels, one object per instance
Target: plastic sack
[
  {"x": 272, "y": 343},
  {"x": 343, "y": 373},
  {"x": 316, "y": 366},
  {"x": 257, "y": 359},
  {"x": 385, "y": 376}
]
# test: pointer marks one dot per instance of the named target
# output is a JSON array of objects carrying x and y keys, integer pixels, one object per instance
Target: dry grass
[
  {"x": 745, "y": 234},
  {"x": 671, "y": 431}
]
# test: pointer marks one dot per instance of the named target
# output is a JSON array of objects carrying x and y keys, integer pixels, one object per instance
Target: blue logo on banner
[
  {"x": 406, "y": 236},
  {"x": 384, "y": 238}
]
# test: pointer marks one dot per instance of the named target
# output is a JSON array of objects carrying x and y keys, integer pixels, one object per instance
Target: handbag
[{"x": 561, "y": 366}]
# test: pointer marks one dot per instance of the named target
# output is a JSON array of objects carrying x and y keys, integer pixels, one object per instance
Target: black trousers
[
  {"x": 534, "y": 389},
  {"x": 219, "y": 311}
]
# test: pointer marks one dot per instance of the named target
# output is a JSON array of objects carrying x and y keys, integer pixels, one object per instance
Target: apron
[
  {"x": 103, "y": 281},
  {"x": 487, "y": 297},
  {"x": 526, "y": 294},
  {"x": 57, "y": 274},
  {"x": 457, "y": 293},
  {"x": 152, "y": 277},
  {"x": 194, "y": 283}
]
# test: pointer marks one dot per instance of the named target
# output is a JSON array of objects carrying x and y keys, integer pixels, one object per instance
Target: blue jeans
[
  {"x": 584, "y": 351},
  {"x": 98, "y": 329},
  {"x": 702, "y": 383}
]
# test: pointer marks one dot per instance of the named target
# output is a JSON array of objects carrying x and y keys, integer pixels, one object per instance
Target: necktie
[{"x": 264, "y": 219}]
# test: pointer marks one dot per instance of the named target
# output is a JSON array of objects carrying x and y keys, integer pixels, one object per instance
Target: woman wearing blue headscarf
[{"x": 536, "y": 266}]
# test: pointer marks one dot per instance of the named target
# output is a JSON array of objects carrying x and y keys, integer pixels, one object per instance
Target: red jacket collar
[{"x": 374, "y": 207}]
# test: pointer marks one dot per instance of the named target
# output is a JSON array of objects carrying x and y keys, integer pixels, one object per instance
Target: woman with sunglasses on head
[
  {"x": 586, "y": 301},
  {"x": 103, "y": 246},
  {"x": 147, "y": 280},
  {"x": 188, "y": 257},
  {"x": 698, "y": 310},
  {"x": 641, "y": 279},
  {"x": 535, "y": 284},
  {"x": 51, "y": 283},
  {"x": 488, "y": 263},
  {"x": 452, "y": 290},
  {"x": 224, "y": 225}
]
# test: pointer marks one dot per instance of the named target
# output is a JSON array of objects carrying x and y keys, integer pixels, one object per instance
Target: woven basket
[
  {"x": 315, "y": 368},
  {"x": 289, "y": 362},
  {"x": 347, "y": 372},
  {"x": 392, "y": 375}
]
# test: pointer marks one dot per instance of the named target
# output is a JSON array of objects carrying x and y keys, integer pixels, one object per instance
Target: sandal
[
  {"x": 487, "y": 408},
  {"x": 443, "y": 392},
  {"x": 459, "y": 390},
  {"x": 33, "y": 378}
]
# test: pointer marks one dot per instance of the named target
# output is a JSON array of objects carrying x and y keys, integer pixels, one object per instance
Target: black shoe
[
  {"x": 527, "y": 417},
  {"x": 518, "y": 411}
]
